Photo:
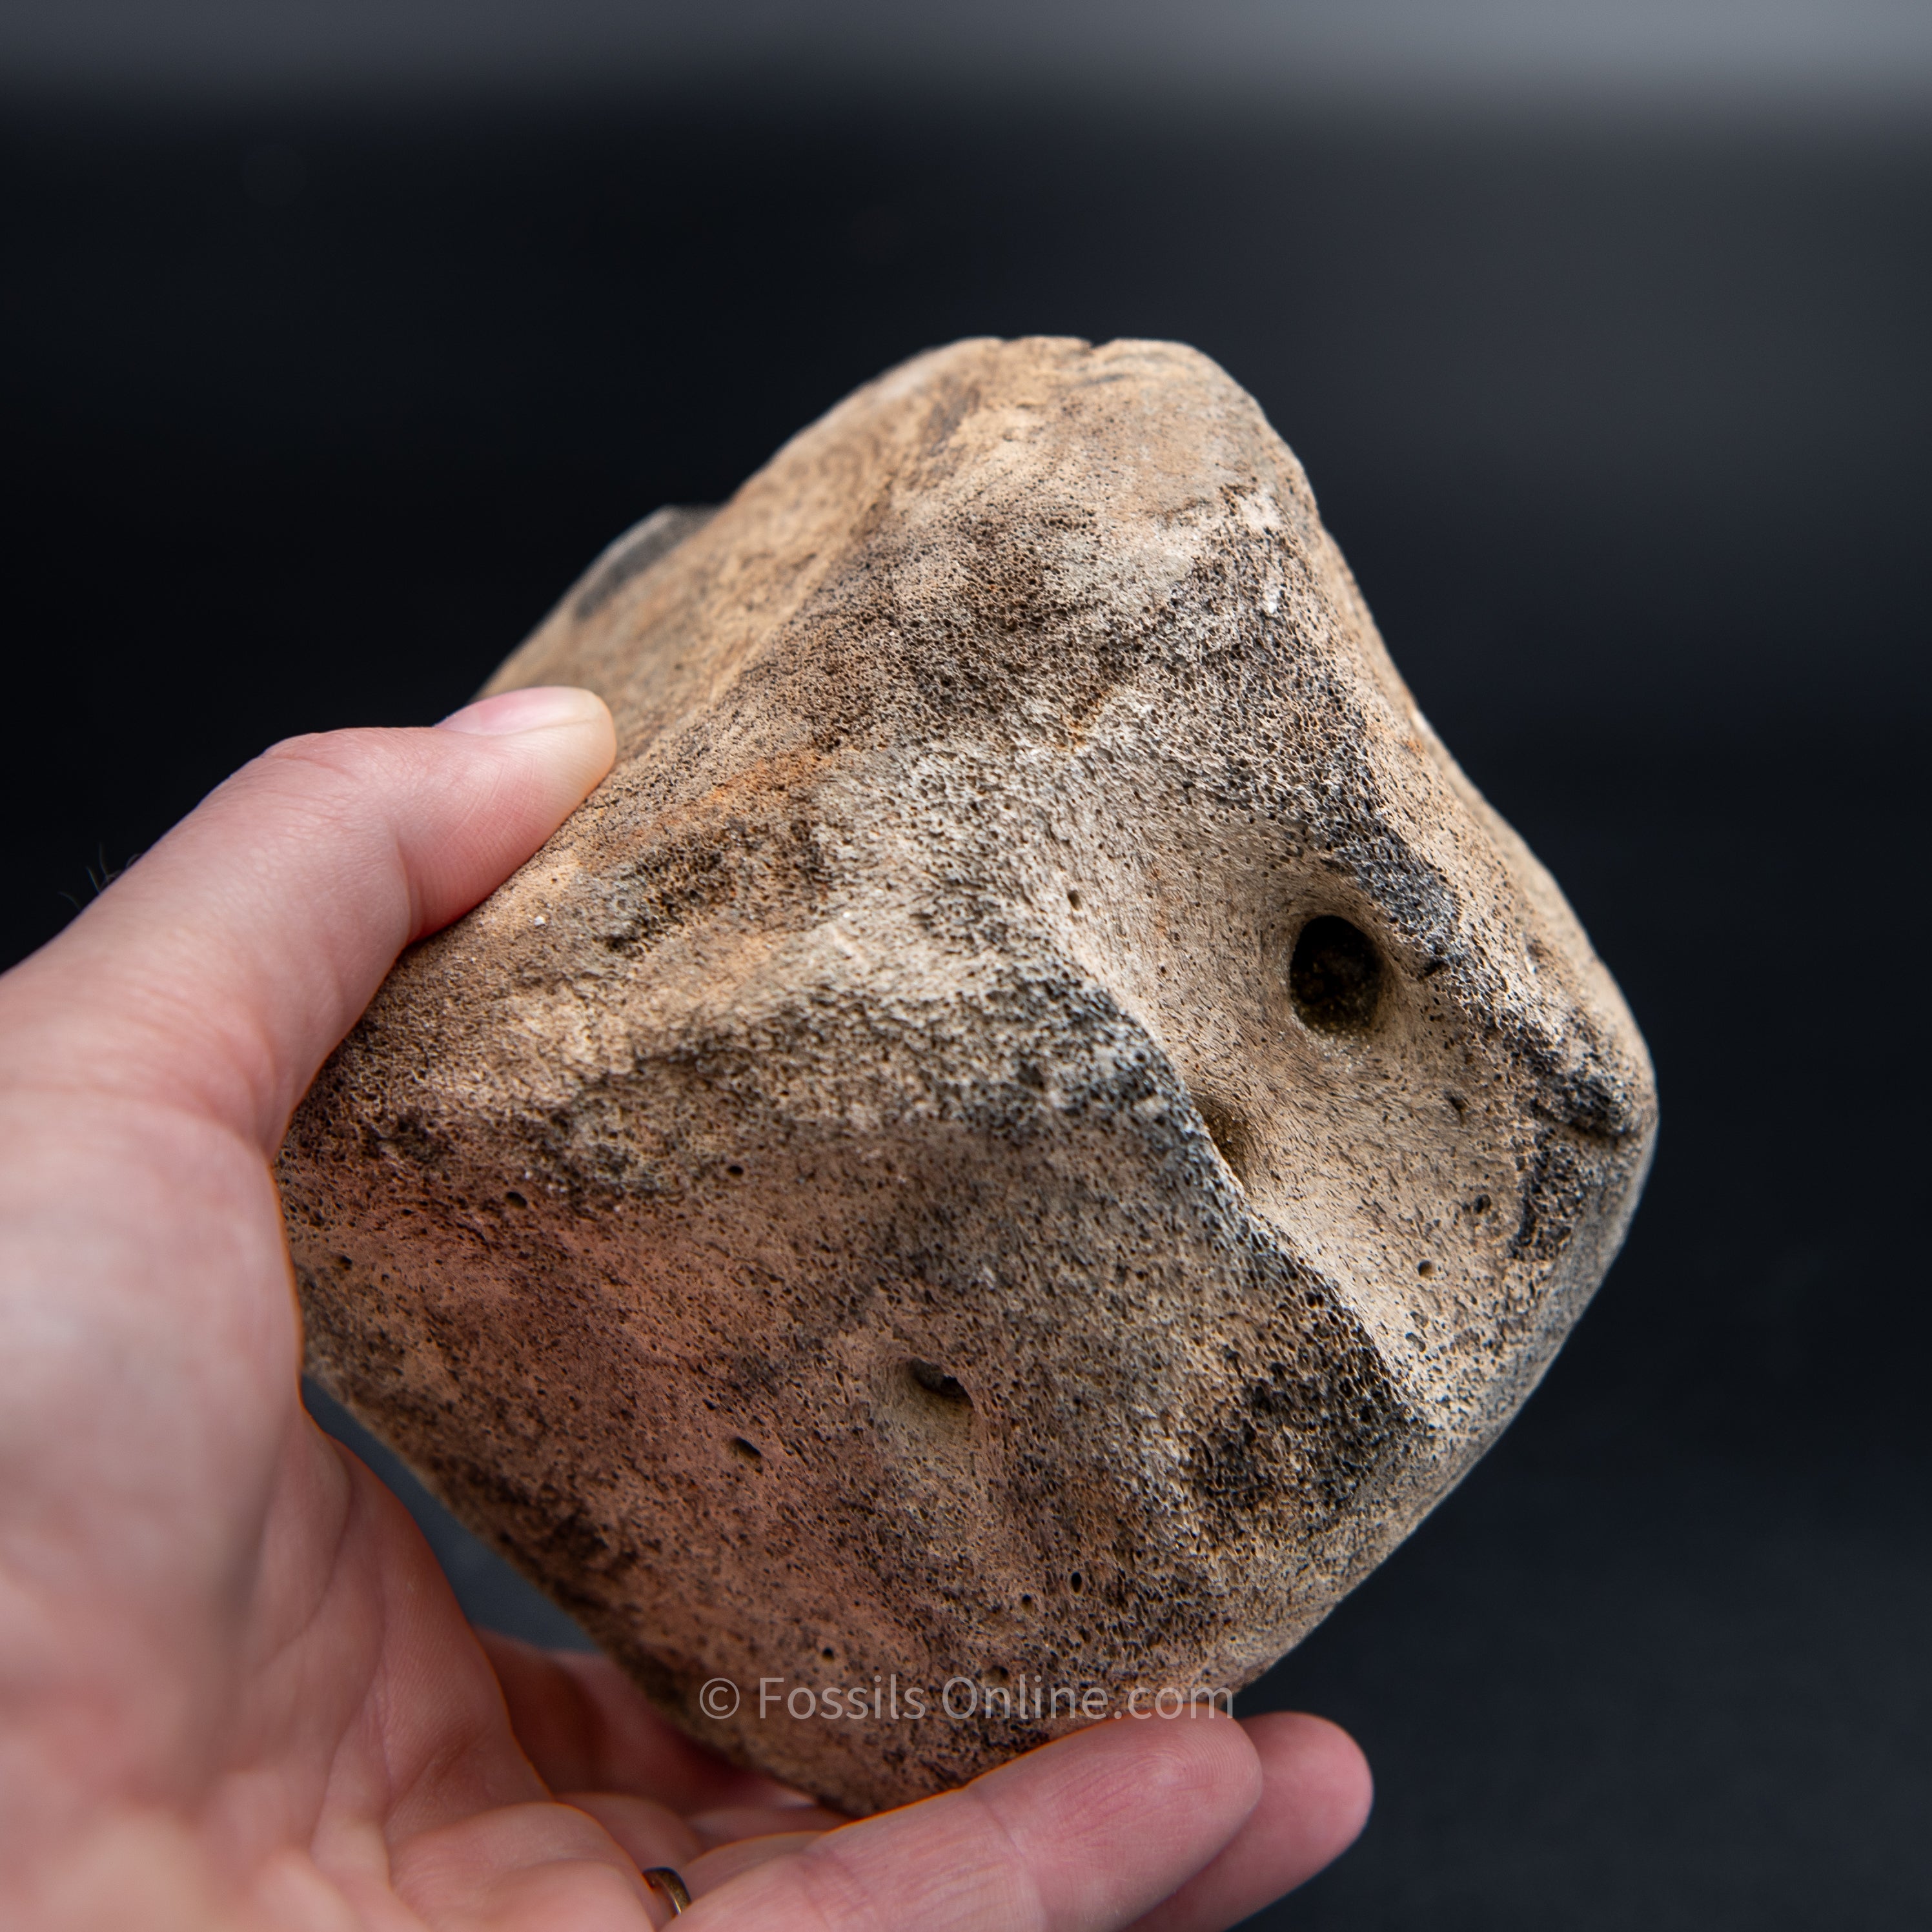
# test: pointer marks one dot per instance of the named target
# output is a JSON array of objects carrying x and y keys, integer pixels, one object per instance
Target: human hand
[{"x": 234, "y": 1689}]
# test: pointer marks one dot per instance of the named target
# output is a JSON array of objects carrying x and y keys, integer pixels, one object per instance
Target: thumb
[{"x": 219, "y": 970}]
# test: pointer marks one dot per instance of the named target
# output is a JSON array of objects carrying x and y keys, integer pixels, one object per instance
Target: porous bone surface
[{"x": 872, "y": 1200}]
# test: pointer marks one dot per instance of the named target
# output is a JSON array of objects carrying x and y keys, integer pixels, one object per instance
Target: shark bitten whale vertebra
[{"x": 1029, "y": 1129}]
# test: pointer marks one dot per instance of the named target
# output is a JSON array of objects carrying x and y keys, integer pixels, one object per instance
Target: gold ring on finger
[{"x": 661, "y": 1878}]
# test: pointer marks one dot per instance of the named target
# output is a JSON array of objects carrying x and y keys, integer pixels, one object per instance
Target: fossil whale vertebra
[{"x": 1029, "y": 1129}]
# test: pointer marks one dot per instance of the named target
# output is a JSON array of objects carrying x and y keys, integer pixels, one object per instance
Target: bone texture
[{"x": 1029, "y": 1129}]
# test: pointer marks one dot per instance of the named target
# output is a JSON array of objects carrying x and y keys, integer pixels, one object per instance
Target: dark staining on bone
[
  {"x": 410, "y": 1140},
  {"x": 1586, "y": 1094},
  {"x": 1556, "y": 1198},
  {"x": 1298, "y": 1439},
  {"x": 658, "y": 536},
  {"x": 1335, "y": 976}
]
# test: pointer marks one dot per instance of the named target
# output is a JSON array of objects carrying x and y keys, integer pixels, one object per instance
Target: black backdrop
[{"x": 1622, "y": 421}]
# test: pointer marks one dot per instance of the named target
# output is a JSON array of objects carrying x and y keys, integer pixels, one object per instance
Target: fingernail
[{"x": 537, "y": 709}]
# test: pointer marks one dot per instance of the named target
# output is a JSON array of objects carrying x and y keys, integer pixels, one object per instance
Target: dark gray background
[
  {"x": 327, "y": 361},
  {"x": 1785, "y": 52}
]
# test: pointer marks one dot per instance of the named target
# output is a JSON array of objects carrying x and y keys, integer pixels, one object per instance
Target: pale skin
[{"x": 234, "y": 1689}]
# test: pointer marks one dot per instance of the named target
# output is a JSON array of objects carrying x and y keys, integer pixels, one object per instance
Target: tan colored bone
[{"x": 902, "y": 1187}]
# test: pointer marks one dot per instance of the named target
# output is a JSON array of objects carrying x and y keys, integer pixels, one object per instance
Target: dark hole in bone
[
  {"x": 931, "y": 1378},
  {"x": 1334, "y": 976},
  {"x": 1231, "y": 1134},
  {"x": 734, "y": 1169},
  {"x": 515, "y": 1199},
  {"x": 1481, "y": 1205},
  {"x": 1073, "y": 901},
  {"x": 751, "y": 1452},
  {"x": 1076, "y": 1582},
  {"x": 1425, "y": 1267}
]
